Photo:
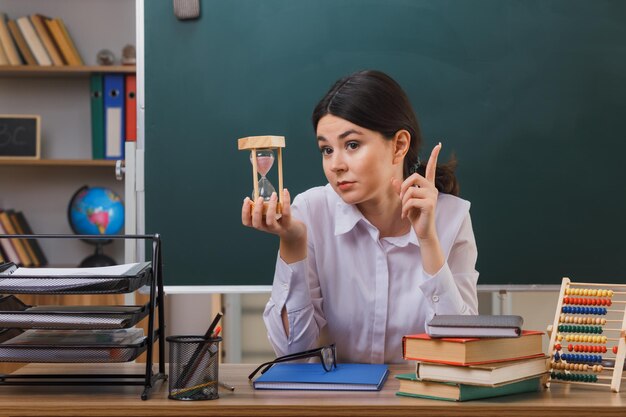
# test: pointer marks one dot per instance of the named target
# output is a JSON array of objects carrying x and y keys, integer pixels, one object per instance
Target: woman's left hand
[{"x": 419, "y": 199}]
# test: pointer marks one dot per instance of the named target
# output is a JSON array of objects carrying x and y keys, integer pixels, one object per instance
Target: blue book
[{"x": 312, "y": 376}]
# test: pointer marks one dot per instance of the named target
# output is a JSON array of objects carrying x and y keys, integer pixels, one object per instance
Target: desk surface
[{"x": 244, "y": 401}]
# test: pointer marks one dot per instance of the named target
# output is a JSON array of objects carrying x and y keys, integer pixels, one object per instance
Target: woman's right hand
[{"x": 290, "y": 230}]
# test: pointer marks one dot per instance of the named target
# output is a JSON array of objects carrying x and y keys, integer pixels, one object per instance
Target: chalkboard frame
[{"x": 33, "y": 139}]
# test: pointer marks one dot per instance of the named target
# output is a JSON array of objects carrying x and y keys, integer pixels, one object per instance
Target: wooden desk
[{"x": 563, "y": 400}]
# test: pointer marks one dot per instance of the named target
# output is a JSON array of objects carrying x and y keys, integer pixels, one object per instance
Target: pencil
[{"x": 197, "y": 355}]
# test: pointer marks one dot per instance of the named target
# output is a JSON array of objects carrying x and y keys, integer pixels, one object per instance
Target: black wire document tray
[
  {"x": 103, "y": 280},
  {"x": 84, "y": 334},
  {"x": 15, "y": 314},
  {"x": 98, "y": 346}
]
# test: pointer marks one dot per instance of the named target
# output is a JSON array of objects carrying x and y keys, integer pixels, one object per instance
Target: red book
[
  {"x": 472, "y": 351},
  {"x": 131, "y": 107}
]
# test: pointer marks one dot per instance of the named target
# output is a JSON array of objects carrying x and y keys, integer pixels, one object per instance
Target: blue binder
[{"x": 114, "y": 116}]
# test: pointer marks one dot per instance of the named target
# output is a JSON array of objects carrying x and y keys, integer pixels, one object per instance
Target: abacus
[{"x": 585, "y": 312}]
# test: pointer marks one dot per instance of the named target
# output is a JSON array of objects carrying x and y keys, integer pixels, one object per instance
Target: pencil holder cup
[{"x": 194, "y": 367}]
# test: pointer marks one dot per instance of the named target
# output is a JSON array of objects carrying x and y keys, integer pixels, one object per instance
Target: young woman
[{"x": 380, "y": 249}]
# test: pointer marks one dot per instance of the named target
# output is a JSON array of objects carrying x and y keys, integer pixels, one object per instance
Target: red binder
[{"x": 131, "y": 107}]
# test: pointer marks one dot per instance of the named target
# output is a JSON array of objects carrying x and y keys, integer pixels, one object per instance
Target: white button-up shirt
[{"x": 364, "y": 293}]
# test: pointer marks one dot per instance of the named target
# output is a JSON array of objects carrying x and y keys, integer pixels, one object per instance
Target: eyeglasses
[{"x": 327, "y": 355}]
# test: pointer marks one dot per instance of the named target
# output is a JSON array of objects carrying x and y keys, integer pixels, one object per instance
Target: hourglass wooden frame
[
  {"x": 586, "y": 305},
  {"x": 256, "y": 143}
]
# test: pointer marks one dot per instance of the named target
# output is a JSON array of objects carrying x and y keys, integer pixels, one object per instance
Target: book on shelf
[
  {"x": 450, "y": 391},
  {"x": 22, "y": 45},
  {"x": 312, "y": 376},
  {"x": 18, "y": 245},
  {"x": 64, "y": 41},
  {"x": 17, "y": 227},
  {"x": 475, "y": 326},
  {"x": 8, "y": 45},
  {"x": 3, "y": 56},
  {"x": 66, "y": 33},
  {"x": 8, "y": 250},
  {"x": 491, "y": 374},
  {"x": 33, "y": 41},
  {"x": 20, "y": 219},
  {"x": 39, "y": 23},
  {"x": 472, "y": 351}
]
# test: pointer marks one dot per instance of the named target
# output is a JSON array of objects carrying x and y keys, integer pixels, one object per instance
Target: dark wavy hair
[{"x": 375, "y": 101}]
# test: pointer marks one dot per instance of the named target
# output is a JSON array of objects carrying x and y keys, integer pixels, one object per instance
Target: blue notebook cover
[{"x": 312, "y": 376}]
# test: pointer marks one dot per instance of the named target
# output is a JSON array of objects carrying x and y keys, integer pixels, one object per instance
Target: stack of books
[
  {"x": 36, "y": 40},
  {"x": 22, "y": 252},
  {"x": 468, "y": 368}
]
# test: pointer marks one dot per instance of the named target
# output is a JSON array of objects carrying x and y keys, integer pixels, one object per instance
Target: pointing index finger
[{"x": 431, "y": 167}]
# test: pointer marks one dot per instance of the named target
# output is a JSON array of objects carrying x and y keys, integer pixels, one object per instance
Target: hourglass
[{"x": 262, "y": 150}]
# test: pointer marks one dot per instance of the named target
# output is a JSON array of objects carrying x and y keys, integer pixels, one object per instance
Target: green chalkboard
[{"x": 529, "y": 94}]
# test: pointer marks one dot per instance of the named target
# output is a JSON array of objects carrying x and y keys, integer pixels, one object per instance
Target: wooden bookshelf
[
  {"x": 58, "y": 162},
  {"x": 64, "y": 71}
]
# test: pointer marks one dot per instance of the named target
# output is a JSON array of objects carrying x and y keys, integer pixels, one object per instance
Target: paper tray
[
  {"x": 15, "y": 314},
  {"x": 104, "y": 353},
  {"x": 76, "y": 284}
]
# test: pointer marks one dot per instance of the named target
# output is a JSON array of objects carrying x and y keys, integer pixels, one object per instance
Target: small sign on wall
[{"x": 20, "y": 136}]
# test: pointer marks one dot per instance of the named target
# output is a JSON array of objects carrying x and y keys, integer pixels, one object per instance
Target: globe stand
[{"x": 98, "y": 258}]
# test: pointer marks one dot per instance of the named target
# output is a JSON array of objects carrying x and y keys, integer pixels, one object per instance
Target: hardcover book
[
  {"x": 22, "y": 46},
  {"x": 39, "y": 23},
  {"x": 491, "y": 375},
  {"x": 475, "y": 326},
  {"x": 9, "y": 47},
  {"x": 472, "y": 351},
  {"x": 25, "y": 227},
  {"x": 33, "y": 41},
  {"x": 448, "y": 391}
]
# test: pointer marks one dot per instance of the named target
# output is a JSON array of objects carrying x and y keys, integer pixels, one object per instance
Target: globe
[{"x": 96, "y": 211}]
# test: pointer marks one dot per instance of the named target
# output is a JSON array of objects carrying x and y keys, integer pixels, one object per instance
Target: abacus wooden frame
[{"x": 616, "y": 378}]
